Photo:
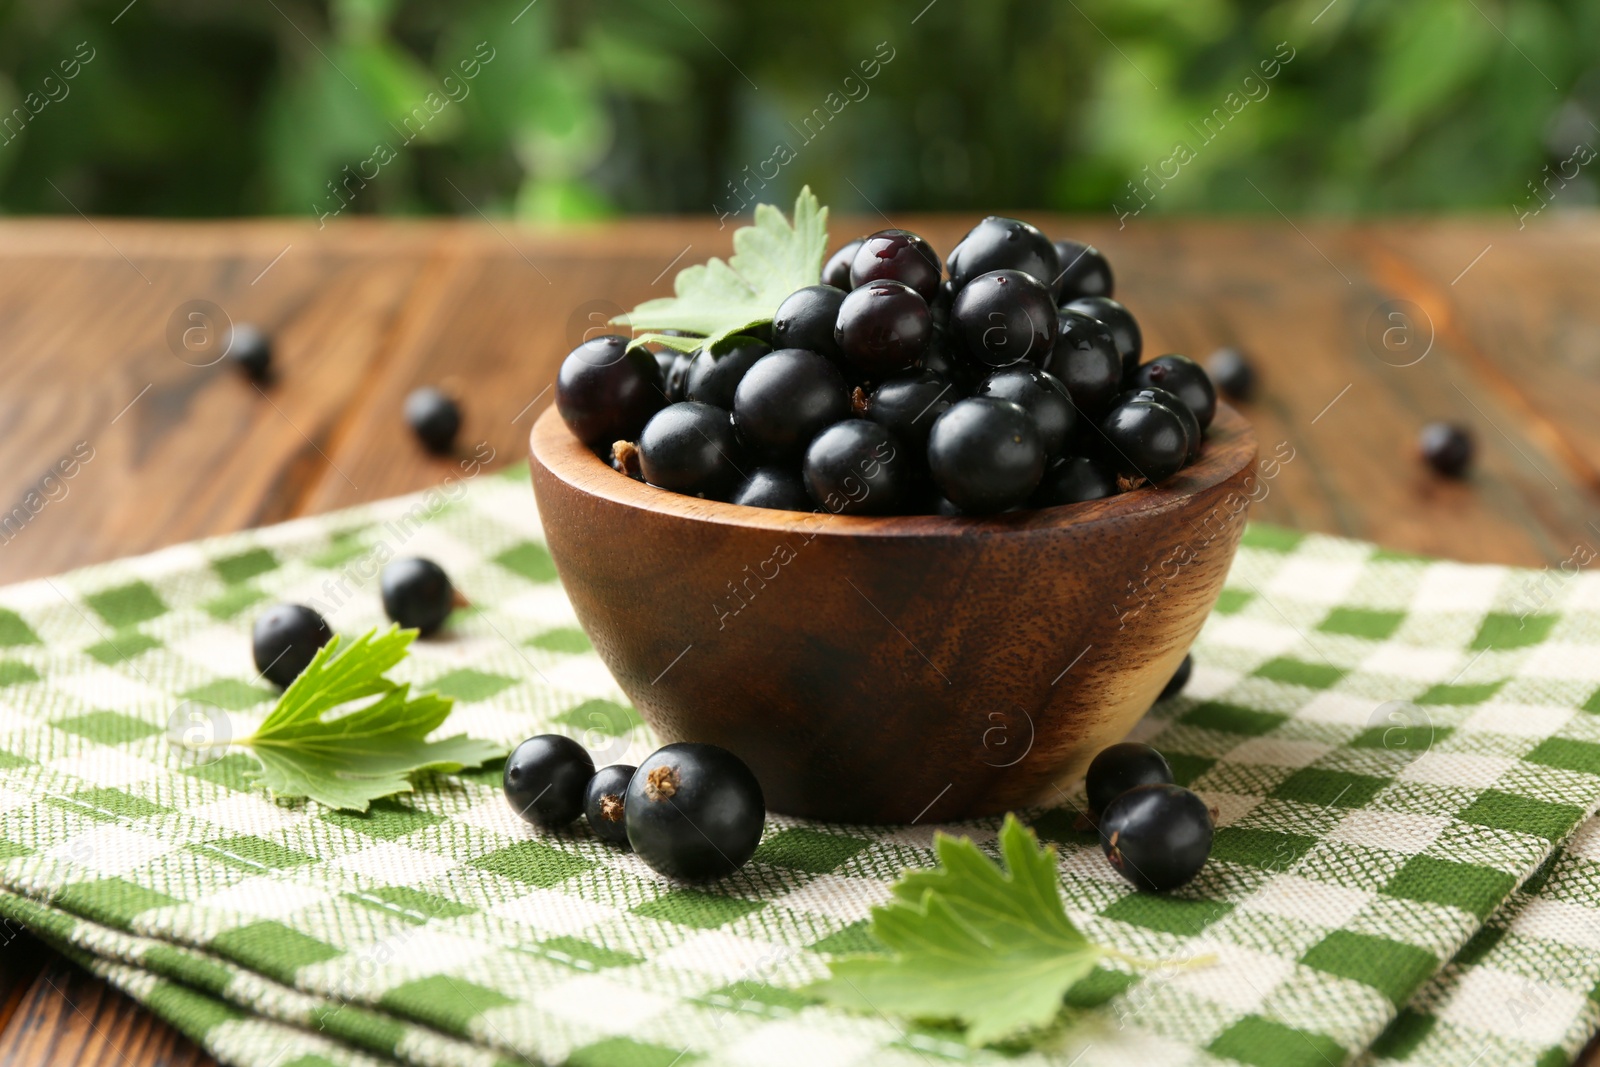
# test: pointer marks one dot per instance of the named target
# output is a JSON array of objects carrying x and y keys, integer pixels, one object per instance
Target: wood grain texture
[{"x": 365, "y": 310}]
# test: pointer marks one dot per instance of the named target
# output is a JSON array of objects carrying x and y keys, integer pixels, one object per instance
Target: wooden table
[{"x": 1362, "y": 334}]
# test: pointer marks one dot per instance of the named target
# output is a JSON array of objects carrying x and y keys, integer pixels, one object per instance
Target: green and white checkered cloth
[{"x": 1400, "y": 752}]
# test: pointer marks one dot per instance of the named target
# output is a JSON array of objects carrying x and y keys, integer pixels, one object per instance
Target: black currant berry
[
  {"x": 1120, "y": 768},
  {"x": 1146, "y": 440},
  {"x": 1447, "y": 447},
  {"x": 883, "y": 329},
  {"x": 941, "y": 357},
  {"x": 836, "y": 272},
  {"x": 1156, "y": 836},
  {"x": 1179, "y": 679},
  {"x": 856, "y": 467},
  {"x": 1120, "y": 321},
  {"x": 690, "y": 448},
  {"x": 434, "y": 417},
  {"x": 788, "y": 398},
  {"x": 713, "y": 378},
  {"x": 284, "y": 641},
  {"x": 677, "y": 376},
  {"x": 901, "y": 256},
  {"x": 1191, "y": 425},
  {"x": 606, "y": 393},
  {"x": 806, "y": 319},
  {"x": 604, "y": 799},
  {"x": 985, "y": 454},
  {"x": 1185, "y": 379},
  {"x": 1072, "y": 481},
  {"x": 1003, "y": 244},
  {"x": 1086, "y": 361},
  {"x": 1084, "y": 271},
  {"x": 1042, "y": 396},
  {"x": 908, "y": 405},
  {"x": 1005, "y": 317},
  {"x": 694, "y": 812},
  {"x": 417, "y": 594},
  {"x": 251, "y": 351},
  {"x": 545, "y": 779},
  {"x": 1232, "y": 373},
  {"x": 778, "y": 488}
]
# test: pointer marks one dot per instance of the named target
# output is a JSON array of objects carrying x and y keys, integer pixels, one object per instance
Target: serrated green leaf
[
  {"x": 992, "y": 948},
  {"x": 348, "y": 760},
  {"x": 716, "y": 299}
]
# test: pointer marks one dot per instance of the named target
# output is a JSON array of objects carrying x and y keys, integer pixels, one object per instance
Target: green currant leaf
[
  {"x": 351, "y": 759},
  {"x": 968, "y": 941},
  {"x": 717, "y": 299}
]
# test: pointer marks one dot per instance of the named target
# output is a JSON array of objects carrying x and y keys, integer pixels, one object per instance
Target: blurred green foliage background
[{"x": 575, "y": 109}]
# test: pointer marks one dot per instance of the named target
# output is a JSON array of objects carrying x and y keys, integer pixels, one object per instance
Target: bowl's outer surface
[{"x": 891, "y": 670}]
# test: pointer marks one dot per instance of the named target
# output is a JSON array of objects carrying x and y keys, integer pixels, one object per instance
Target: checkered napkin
[{"x": 1400, "y": 751}]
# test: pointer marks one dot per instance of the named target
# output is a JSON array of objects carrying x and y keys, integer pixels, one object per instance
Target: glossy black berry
[
  {"x": 1072, "y": 481},
  {"x": 1042, "y": 396},
  {"x": 694, "y": 812},
  {"x": 690, "y": 448},
  {"x": 251, "y": 351},
  {"x": 606, "y": 393},
  {"x": 778, "y": 488},
  {"x": 1145, "y": 439},
  {"x": 883, "y": 329},
  {"x": 677, "y": 376},
  {"x": 545, "y": 779},
  {"x": 434, "y": 417},
  {"x": 1179, "y": 679},
  {"x": 1232, "y": 373},
  {"x": 1003, "y": 244},
  {"x": 1086, "y": 361},
  {"x": 1185, "y": 379},
  {"x": 1447, "y": 447},
  {"x": 806, "y": 319},
  {"x": 856, "y": 467},
  {"x": 836, "y": 272},
  {"x": 942, "y": 358},
  {"x": 714, "y": 378},
  {"x": 417, "y": 594},
  {"x": 908, "y": 405},
  {"x": 604, "y": 801},
  {"x": 285, "y": 639},
  {"x": 1120, "y": 321},
  {"x": 901, "y": 256},
  {"x": 1191, "y": 425},
  {"x": 788, "y": 398},
  {"x": 1120, "y": 768},
  {"x": 985, "y": 454},
  {"x": 1005, "y": 317},
  {"x": 1156, "y": 836},
  {"x": 1084, "y": 271}
]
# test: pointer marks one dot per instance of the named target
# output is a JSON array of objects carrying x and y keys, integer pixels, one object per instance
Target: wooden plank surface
[{"x": 1507, "y": 331}]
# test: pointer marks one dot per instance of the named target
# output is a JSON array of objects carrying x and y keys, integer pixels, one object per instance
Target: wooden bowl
[{"x": 894, "y": 670}]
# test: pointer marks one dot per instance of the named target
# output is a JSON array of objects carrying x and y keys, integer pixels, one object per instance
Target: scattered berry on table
[
  {"x": 1233, "y": 373},
  {"x": 604, "y": 800},
  {"x": 434, "y": 417},
  {"x": 788, "y": 398},
  {"x": 1003, "y": 244},
  {"x": 694, "y": 812},
  {"x": 285, "y": 639},
  {"x": 1447, "y": 447},
  {"x": 836, "y": 272},
  {"x": 1072, "y": 481},
  {"x": 778, "y": 488},
  {"x": 1179, "y": 679},
  {"x": 883, "y": 329},
  {"x": 1156, "y": 836},
  {"x": 1041, "y": 395},
  {"x": 897, "y": 255},
  {"x": 250, "y": 350},
  {"x": 1120, "y": 768},
  {"x": 1085, "y": 271},
  {"x": 713, "y": 378},
  {"x": 545, "y": 779},
  {"x": 1185, "y": 379},
  {"x": 806, "y": 319},
  {"x": 1005, "y": 317},
  {"x": 606, "y": 393},
  {"x": 417, "y": 594},
  {"x": 1120, "y": 321},
  {"x": 690, "y": 448},
  {"x": 855, "y": 467},
  {"x": 985, "y": 454}
]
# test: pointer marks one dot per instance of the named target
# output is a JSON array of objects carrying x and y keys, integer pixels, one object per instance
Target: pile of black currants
[
  {"x": 691, "y": 811},
  {"x": 1004, "y": 378}
]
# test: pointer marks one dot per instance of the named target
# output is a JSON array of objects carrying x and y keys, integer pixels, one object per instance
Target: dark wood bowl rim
[{"x": 1230, "y": 447}]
